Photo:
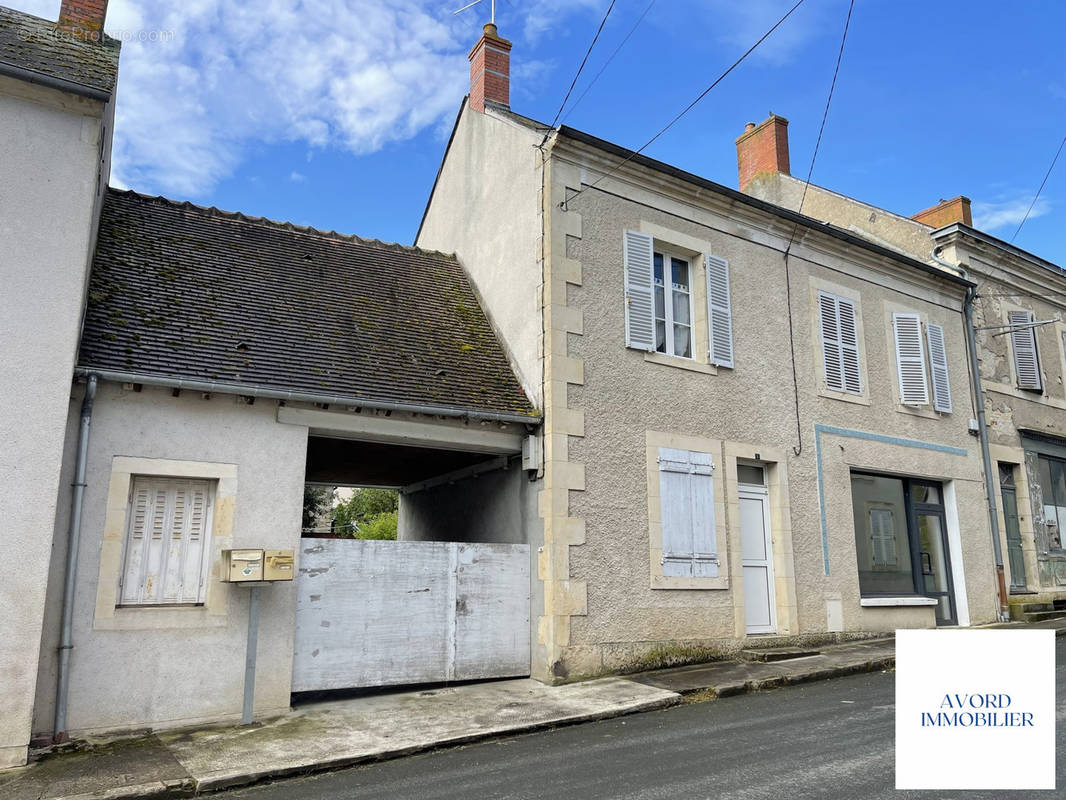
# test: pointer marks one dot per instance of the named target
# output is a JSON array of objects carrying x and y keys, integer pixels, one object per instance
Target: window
[
  {"x": 901, "y": 540},
  {"x": 660, "y": 291},
  {"x": 1026, "y": 356},
  {"x": 840, "y": 343},
  {"x": 686, "y": 490},
  {"x": 914, "y": 380},
  {"x": 1051, "y": 476},
  {"x": 166, "y": 544},
  {"x": 673, "y": 305}
]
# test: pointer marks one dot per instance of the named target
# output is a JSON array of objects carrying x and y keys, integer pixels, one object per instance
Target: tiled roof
[
  {"x": 33, "y": 43},
  {"x": 181, "y": 291}
]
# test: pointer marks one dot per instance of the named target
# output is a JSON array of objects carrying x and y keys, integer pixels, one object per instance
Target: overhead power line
[
  {"x": 607, "y": 63},
  {"x": 1038, "y": 191},
  {"x": 588, "y": 52},
  {"x": 689, "y": 107}
]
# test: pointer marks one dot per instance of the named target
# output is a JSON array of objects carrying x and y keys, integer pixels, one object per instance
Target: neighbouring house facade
[
  {"x": 754, "y": 423},
  {"x": 1019, "y": 307}
]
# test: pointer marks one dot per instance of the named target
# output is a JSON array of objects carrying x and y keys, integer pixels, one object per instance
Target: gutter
[
  {"x": 982, "y": 435},
  {"x": 59, "y": 733},
  {"x": 762, "y": 205},
  {"x": 303, "y": 397},
  {"x": 52, "y": 82}
]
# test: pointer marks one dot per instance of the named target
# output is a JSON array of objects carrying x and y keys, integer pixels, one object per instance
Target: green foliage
[
  {"x": 317, "y": 502},
  {"x": 369, "y": 514}
]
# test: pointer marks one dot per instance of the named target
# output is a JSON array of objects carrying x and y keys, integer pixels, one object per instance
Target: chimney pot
[
  {"x": 83, "y": 19},
  {"x": 490, "y": 70},
  {"x": 761, "y": 149}
]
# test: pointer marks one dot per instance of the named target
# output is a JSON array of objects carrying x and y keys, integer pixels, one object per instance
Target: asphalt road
[{"x": 832, "y": 739}]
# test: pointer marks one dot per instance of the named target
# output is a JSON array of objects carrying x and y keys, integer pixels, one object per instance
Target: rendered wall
[
  {"x": 50, "y": 159},
  {"x": 625, "y": 394},
  {"x": 486, "y": 508},
  {"x": 142, "y": 667}
]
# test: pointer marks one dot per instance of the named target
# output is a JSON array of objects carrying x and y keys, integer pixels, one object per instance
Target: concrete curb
[{"x": 733, "y": 688}]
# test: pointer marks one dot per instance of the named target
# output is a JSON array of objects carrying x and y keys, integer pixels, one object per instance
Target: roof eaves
[
  {"x": 52, "y": 82},
  {"x": 762, "y": 205},
  {"x": 965, "y": 230}
]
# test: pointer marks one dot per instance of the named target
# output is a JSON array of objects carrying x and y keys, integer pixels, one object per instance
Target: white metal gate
[{"x": 378, "y": 613}]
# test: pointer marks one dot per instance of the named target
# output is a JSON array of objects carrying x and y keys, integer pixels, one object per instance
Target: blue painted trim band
[{"x": 870, "y": 437}]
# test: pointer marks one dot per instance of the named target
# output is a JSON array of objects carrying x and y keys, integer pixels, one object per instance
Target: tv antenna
[{"x": 471, "y": 5}]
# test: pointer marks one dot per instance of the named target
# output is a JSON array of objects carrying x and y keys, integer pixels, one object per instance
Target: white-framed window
[
  {"x": 1026, "y": 356},
  {"x": 167, "y": 542},
  {"x": 840, "y": 343},
  {"x": 912, "y": 354},
  {"x": 673, "y": 304},
  {"x": 686, "y": 491}
]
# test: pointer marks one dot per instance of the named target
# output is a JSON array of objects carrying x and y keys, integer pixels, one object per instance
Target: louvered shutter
[
  {"x": 689, "y": 541},
  {"x": 882, "y": 538},
  {"x": 640, "y": 291},
  {"x": 938, "y": 366},
  {"x": 1026, "y": 358},
  {"x": 840, "y": 344},
  {"x": 719, "y": 313},
  {"x": 166, "y": 542},
  {"x": 910, "y": 359}
]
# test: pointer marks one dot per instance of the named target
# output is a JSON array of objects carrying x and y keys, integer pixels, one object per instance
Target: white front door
[{"x": 757, "y": 555}]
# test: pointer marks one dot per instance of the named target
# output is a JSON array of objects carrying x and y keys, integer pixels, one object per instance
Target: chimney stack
[
  {"x": 83, "y": 19},
  {"x": 946, "y": 212},
  {"x": 490, "y": 70},
  {"x": 762, "y": 148}
]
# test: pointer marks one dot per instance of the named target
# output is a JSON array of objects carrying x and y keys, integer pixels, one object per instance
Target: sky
[{"x": 336, "y": 113}]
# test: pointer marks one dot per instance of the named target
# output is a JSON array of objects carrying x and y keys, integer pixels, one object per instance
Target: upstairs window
[
  {"x": 1026, "y": 357},
  {"x": 840, "y": 343},
  {"x": 911, "y": 350},
  {"x": 673, "y": 305}
]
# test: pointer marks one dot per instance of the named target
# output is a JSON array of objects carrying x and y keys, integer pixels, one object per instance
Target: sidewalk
[{"x": 340, "y": 733}]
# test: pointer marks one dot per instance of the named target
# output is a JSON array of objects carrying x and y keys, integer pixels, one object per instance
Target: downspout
[
  {"x": 59, "y": 734},
  {"x": 982, "y": 435}
]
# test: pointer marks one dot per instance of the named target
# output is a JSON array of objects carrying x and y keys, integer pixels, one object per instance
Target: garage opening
[{"x": 414, "y": 567}]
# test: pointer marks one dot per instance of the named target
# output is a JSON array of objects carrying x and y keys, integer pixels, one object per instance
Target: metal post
[{"x": 249, "y": 656}]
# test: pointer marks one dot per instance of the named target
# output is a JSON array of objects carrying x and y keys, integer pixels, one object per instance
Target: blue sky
[{"x": 335, "y": 113}]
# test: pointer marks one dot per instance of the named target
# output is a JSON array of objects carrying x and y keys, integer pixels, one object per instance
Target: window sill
[
  {"x": 680, "y": 363},
  {"x": 858, "y": 399},
  {"x": 663, "y": 582},
  {"x": 145, "y": 618},
  {"x": 878, "y": 602}
]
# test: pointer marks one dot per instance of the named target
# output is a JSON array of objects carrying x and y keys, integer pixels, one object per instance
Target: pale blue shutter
[
  {"x": 910, "y": 359},
  {"x": 1026, "y": 358},
  {"x": 686, "y": 489},
  {"x": 719, "y": 312},
  {"x": 938, "y": 365},
  {"x": 640, "y": 290}
]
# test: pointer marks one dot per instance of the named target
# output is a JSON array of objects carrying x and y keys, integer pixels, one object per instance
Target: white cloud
[
  {"x": 1007, "y": 212},
  {"x": 297, "y": 177}
]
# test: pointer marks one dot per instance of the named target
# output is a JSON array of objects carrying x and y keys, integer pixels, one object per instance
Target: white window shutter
[
  {"x": 938, "y": 365},
  {"x": 883, "y": 538},
  {"x": 910, "y": 360},
  {"x": 834, "y": 370},
  {"x": 1026, "y": 358},
  {"x": 686, "y": 494},
  {"x": 719, "y": 313},
  {"x": 640, "y": 290},
  {"x": 849, "y": 346},
  {"x": 166, "y": 542}
]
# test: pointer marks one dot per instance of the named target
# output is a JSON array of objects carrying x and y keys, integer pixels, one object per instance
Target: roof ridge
[{"x": 282, "y": 224}]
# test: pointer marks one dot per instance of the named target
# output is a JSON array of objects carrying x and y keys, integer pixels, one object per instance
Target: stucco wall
[
  {"x": 485, "y": 508},
  {"x": 137, "y": 669},
  {"x": 484, "y": 209},
  {"x": 625, "y": 395},
  {"x": 49, "y": 160}
]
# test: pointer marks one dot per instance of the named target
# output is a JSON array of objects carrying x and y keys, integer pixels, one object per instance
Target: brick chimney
[
  {"x": 946, "y": 212},
  {"x": 762, "y": 148},
  {"x": 490, "y": 70},
  {"x": 83, "y": 19}
]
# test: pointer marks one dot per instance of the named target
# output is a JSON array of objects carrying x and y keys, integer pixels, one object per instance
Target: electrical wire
[
  {"x": 607, "y": 63},
  {"x": 1038, "y": 191},
  {"x": 573, "y": 83},
  {"x": 798, "y": 449},
  {"x": 687, "y": 108}
]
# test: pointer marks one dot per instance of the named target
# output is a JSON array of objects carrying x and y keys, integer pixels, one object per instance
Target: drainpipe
[
  {"x": 982, "y": 435},
  {"x": 65, "y": 645}
]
